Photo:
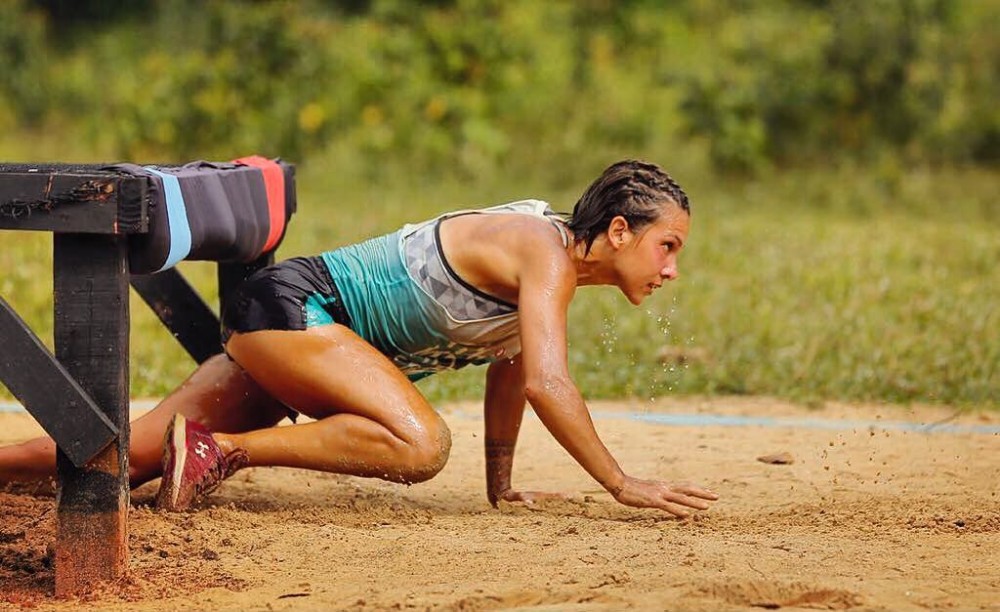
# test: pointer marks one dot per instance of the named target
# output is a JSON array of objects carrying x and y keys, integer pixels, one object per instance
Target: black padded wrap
[{"x": 226, "y": 210}]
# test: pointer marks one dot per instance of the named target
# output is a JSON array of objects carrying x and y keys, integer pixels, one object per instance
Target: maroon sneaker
[{"x": 193, "y": 464}]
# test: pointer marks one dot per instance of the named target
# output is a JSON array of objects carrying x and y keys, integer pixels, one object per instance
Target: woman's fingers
[
  {"x": 694, "y": 490},
  {"x": 530, "y": 497},
  {"x": 685, "y": 500},
  {"x": 681, "y": 505},
  {"x": 674, "y": 509},
  {"x": 681, "y": 495}
]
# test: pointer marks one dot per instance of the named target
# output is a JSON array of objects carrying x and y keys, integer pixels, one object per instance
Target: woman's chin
[{"x": 635, "y": 298}]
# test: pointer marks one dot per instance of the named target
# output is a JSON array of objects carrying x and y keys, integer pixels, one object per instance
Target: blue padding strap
[{"x": 180, "y": 231}]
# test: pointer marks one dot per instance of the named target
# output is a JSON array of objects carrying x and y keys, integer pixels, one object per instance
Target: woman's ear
[{"x": 619, "y": 233}]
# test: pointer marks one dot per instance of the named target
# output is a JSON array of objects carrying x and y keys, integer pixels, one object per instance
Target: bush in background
[
  {"x": 796, "y": 82},
  {"x": 464, "y": 84}
]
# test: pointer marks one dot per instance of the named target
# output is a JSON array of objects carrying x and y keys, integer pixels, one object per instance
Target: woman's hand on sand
[
  {"x": 673, "y": 497},
  {"x": 529, "y": 497}
]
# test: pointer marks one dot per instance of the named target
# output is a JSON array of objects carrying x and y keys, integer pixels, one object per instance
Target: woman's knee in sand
[{"x": 427, "y": 452}]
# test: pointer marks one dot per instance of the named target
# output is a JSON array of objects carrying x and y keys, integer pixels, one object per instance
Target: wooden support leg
[
  {"x": 49, "y": 392},
  {"x": 183, "y": 311},
  {"x": 92, "y": 343}
]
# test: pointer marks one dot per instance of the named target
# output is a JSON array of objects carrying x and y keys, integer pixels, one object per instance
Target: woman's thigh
[{"x": 327, "y": 370}]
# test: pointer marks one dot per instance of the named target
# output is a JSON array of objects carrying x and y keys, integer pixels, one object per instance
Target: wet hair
[{"x": 636, "y": 190}]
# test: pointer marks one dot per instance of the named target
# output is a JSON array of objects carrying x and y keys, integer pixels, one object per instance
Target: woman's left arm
[{"x": 503, "y": 409}]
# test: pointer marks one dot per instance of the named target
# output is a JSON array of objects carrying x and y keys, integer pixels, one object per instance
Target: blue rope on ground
[{"x": 717, "y": 420}]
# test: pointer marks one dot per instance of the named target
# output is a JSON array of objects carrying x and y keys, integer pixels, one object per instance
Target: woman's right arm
[{"x": 547, "y": 283}]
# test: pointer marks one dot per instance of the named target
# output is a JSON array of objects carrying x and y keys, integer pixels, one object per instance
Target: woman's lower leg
[
  {"x": 31, "y": 461},
  {"x": 369, "y": 418},
  {"x": 218, "y": 394},
  {"x": 348, "y": 444}
]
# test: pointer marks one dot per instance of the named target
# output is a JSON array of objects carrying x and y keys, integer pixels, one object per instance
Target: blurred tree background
[
  {"x": 842, "y": 158},
  {"x": 487, "y": 86}
]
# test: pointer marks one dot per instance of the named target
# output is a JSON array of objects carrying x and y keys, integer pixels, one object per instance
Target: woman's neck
[{"x": 591, "y": 267}]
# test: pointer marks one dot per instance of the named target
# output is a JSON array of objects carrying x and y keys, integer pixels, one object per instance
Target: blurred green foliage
[
  {"x": 797, "y": 83},
  {"x": 450, "y": 85}
]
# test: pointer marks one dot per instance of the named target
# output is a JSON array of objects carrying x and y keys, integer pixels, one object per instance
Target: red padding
[{"x": 274, "y": 184}]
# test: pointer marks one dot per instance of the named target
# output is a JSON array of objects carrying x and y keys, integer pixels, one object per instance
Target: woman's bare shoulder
[
  {"x": 512, "y": 233},
  {"x": 499, "y": 252}
]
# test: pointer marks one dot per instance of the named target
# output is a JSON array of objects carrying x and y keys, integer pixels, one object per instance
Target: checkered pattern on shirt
[{"x": 423, "y": 261}]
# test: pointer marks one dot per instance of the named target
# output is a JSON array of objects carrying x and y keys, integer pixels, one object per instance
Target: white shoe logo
[{"x": 200, "y": 449}]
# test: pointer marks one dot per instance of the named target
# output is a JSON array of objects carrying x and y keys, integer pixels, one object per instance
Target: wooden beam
[
  {"x": 49, "y": 392},
  {"x": 84, "y": 200},
  {"x": 92, "y": 343},
  {"x": 183, "y": 311}
]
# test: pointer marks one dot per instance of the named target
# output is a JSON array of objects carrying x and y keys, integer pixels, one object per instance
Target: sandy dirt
[{"x": 865, "y": 517}]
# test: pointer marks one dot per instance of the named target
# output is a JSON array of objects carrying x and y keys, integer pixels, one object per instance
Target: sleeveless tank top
[{"x": 404, "y": 298}]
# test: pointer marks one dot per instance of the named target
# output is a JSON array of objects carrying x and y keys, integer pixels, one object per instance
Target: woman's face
[{"x": 648, "y": 257}]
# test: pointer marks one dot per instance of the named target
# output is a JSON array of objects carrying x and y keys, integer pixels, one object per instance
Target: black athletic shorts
[{"x": 275, "y": 297}]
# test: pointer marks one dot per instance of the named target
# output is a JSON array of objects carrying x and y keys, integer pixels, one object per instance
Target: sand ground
[{"x": 871, "y": 515}]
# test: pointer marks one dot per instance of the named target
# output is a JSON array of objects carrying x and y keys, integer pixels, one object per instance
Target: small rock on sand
[{"x": 784, "y": 458}]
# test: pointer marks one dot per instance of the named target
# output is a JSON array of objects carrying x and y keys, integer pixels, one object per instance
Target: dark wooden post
[
  {"x": 92, "y": 342},
  {"x": 182, "y": 310}
]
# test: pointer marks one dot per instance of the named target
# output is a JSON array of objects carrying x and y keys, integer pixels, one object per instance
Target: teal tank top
[{"x": 404, "y": 299}]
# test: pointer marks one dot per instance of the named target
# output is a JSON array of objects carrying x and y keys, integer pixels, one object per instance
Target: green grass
[{"x": 812, "y": 286}]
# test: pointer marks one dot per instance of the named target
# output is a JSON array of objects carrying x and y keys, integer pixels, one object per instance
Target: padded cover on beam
[{"x": 212, "y": 211}]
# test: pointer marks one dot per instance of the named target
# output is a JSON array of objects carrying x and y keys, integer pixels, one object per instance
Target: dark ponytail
[{"x": 633, "y": 189}]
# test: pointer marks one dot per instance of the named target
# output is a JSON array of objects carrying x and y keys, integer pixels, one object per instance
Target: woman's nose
[{"x": 669, "y": 271}]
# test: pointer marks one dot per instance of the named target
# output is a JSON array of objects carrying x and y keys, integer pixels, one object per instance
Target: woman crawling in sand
[{"x": 342, "y": 336}]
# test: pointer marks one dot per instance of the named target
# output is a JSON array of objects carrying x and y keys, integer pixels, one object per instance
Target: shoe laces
[{"x": 220, "y": 470}]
